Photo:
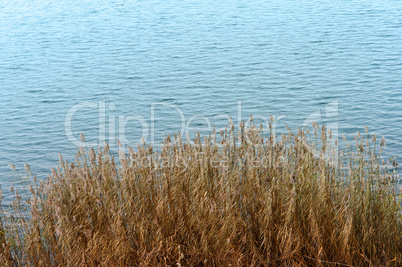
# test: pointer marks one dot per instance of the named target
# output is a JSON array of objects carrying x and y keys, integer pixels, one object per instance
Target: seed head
[
  {"x": 382, "y": 143},
  {"x": 82, "y": 137}
]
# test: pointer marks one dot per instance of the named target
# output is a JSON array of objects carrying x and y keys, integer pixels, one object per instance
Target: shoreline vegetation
[{"x": 239, "y": 197}]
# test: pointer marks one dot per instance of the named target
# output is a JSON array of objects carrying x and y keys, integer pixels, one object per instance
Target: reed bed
[{"x": 239, "y": 197}]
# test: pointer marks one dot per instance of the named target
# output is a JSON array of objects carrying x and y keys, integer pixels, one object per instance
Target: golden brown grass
[{"x": 245, "y": 200}]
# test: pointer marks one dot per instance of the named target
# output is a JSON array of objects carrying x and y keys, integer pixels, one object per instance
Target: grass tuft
[{"x": 238, "y": 198}]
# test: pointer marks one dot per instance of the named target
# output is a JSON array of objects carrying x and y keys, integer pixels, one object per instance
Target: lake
[{"x": 132, "y": 69}]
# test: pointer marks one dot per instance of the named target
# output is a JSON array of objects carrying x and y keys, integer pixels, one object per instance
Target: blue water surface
[{"x": 119, "y": 64}]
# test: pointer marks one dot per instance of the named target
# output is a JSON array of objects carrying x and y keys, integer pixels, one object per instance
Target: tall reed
[{"x": 240, "y": 197}]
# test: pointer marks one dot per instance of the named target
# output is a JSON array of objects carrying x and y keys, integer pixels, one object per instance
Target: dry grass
[{"x": 245, "y": 200}]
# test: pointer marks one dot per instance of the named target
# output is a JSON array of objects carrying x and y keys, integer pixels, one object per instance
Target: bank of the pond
[{"x": 234, "y": 198}]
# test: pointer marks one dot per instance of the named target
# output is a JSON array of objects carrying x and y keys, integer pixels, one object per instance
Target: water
[{"x": 338, "y": 62}]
